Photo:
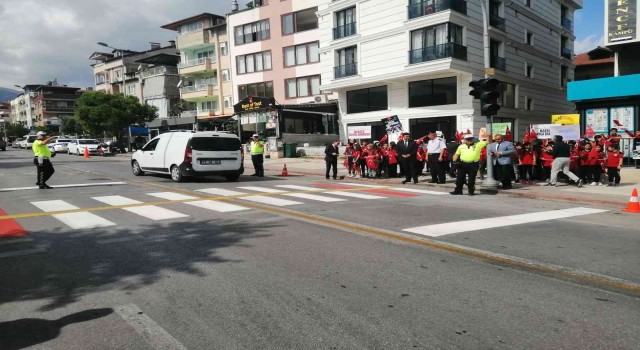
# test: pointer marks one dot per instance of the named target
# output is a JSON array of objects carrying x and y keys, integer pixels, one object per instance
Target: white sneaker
[{"x": 594, "y": 184}]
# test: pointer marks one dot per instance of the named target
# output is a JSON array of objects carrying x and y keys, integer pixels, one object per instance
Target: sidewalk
[{"x": 591, "y": 195}]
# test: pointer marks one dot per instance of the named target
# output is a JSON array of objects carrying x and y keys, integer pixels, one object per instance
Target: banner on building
[
  {"x": 566, "y": 119},
  {"x": 392, "y": 124},
  {"x": 621, "y": 21},
  {"x": 359, "y": 132},
  {"x": 598, "y": 120}
]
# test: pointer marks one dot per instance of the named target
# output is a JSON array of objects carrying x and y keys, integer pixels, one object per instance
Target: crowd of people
[{"x": 593, "y": 161}]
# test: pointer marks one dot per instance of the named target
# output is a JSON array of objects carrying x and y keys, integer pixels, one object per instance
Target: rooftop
[{"x": 177, "y": 24}]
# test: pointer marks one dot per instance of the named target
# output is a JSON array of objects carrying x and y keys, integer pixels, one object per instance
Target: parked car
[
  {"x": 182, "y": 154},
  {"x": 77, "y": 146},
  {"x": 61, "y": 145},
  {"x": 52, "y": 149},
  {"x": 28, "y": 141},
  {"x": 16, "y": 142},
  {"x": 3, "y": 145}
]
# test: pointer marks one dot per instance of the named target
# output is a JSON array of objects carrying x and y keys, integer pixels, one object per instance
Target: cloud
[
  {"x": 588, "y": 43},
  {"x": 43, "y": 42}
]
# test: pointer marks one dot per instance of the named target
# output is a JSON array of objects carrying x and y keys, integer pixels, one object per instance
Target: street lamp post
[{"x": 122, "y": 58}]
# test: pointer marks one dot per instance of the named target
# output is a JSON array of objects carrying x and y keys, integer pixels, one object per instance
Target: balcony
[
  {"x": 158, "y": 71},
  {"x": 198, "y": 65},
  {"x": 205, "y": 113},
  {"x": 55, "y": 109},
  {"x": 497, "y": 22},
  {"x": 566, "y": 53},
  {"x": 431, "y": 53},
  {"x": 498, "y": 63},
  {"x": 192, "y": 39},
  {"x": 425, "y": 8},
  {"x": 566, "y": 23},
  {"x": 198, "y": 91},
  {"x": 344, "y": 31},
  {"x": 345, "y": 71}
]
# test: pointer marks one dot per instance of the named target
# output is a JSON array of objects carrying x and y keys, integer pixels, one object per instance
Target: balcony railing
[
  {"x": 194, "y": 88},
  {"x": 346, "y": 70},
  {"x": 196, "y": 62},
  {"x": 498, "y": 62},
  {"x": 497, "y": 22},
  {"x": 56, "y": 108},
  {"x": 566, "y": 23},
  {"x": 424, "y": 8},
  {"x": 187, "y": 114},
  {"x": 159, "y": 71},
  {"x": 212, "y": 111},
  {"x": 437, "y": 52},
  {"x": 344, "y": 31},
  {"x": 566, "y": 53}
]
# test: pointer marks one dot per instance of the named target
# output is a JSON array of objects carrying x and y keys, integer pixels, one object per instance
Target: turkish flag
[
  {"x": 383, "y": 139},
  {"x": 589, "y": 131},
  {"x": 507, "y": 135},
  {"x": 533, "y": 134},
  {"x": 527, "y": 136}
]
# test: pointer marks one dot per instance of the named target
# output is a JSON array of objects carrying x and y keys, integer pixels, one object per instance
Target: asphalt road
[{"x": 306, "y": 264}]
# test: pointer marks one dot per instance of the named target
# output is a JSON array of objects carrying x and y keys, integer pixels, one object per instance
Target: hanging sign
[
  {"x": 566, "y": 119},
  {"x": 359, "y": 132}
]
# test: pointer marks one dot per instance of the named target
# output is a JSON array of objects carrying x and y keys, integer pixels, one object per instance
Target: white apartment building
[
  {"x": 23, "y": 107},
  {"x": 415, "y": 59}
]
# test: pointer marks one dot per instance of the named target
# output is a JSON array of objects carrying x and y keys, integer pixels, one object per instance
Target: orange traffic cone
[
  {"x": 86, "y": 152},
  {"x": 284, "y": 171},
  {"x": 634, "y": 205}
]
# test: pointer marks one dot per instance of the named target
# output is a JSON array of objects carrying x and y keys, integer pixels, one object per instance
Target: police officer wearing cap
[
  {"x": 41, "y": 159},
  {"x": 257, "y": 155},
  {"x": 467, "y": 158}
]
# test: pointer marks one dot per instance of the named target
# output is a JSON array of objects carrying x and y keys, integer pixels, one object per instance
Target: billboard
[{"x": 620, "y": 22}]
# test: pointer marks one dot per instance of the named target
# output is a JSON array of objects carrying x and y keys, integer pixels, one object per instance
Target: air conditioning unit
[{"x": 320, "y": 99}]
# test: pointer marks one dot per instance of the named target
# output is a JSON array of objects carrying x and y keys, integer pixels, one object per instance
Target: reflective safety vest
[
  {"x": 40, "y": 149},
  {"x": 471, "y": 153},
  {"x": 257, "y": 147}
]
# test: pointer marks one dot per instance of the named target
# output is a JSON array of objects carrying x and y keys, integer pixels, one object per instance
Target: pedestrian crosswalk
[{"x": 151, "y": 206}]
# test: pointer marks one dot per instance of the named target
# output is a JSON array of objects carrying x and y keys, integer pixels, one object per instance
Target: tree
[
  {"x": 16, "y": 130},
  {"x": 71, "y": 125},
  {"x": 98, "y": 112}
]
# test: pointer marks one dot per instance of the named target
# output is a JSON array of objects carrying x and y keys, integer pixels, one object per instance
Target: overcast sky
[{"x": 41, "y": 40}]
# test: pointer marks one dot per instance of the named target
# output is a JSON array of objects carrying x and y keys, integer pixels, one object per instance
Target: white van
[
  {"x": 190, "y": 153},
  {"x": 28, "y": 141}
]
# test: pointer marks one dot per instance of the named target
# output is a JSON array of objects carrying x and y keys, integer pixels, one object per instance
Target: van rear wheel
[{"x": 176, "y": 174}]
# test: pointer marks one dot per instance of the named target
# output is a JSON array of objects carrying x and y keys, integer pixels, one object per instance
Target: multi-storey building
[
  {"x": 204, "y": 67},
  {"x": 5, "y": 111},
  {"x": 275, "y": 54},
  {"x": 17, "y": 110},
  {"x": 53, "y": 103},
  {"x": 22, "y": 106},
  {"x": 415, "y": 59}
]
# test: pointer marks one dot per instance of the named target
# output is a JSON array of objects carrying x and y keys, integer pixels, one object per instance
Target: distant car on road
[
  {"x": 62, "y": 145},
  {"x": 27, "y": 142},
  {"x": 16, "y": 142},
  {"x": 52, "y": 150},
  {"x": 77, "y": 146}
]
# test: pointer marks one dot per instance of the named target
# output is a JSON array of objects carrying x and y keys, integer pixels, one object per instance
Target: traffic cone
[
  {"x": 284, "y": 171},
  {"x": 634, "y": 205},
  {"x": 86, "y": 152}
]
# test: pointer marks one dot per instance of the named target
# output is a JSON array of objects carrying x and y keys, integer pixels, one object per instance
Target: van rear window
[{"x": 215, "y": 144}]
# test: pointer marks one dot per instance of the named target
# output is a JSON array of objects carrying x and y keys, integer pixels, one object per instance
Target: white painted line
[
  {"x": 63, "y": 186},
  {"x": 262, "y": 189},
  {"x": 22, "y": 252},
  {"x": 220, "y": 192},
  {"x": 171, "y": 196},
  {"x": 270, "y": 200},
  {"x": 314, "y": 197},
  {"x": 150, "y": 331},
  {"x": 355, "y": 195},
  {"x": 361, "y": 185},
  {"x": 483, "y": 224},
  {"x": 301, "y": 188},
  {"x": 152, "y": 212},
  {"x": 417, "y": 191},
  {"x": 74, "y": 220},
  {"x": 217, "y": 206}
]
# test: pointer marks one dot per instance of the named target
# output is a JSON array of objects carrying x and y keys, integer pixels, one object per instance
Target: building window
[
  {"x": 224, "y": 48},
  {"x": 527, "y": 3},
  {"x": 264, "y": 89},
  {"x": 529, "y": 106},
  {"x": 299, "y": 21},
  {"x": 346, "y": 62},
  {"x": 345, "y": 23},
  {"x": 367, "y": 100},
  {"x": 100, "y": 79},
  {"x": 190, "y": 27},
  {"x": 251, "y": 32},
  {"x": 528, "y": 37},
  {"x": 301, "y": 54},
  {"x": 228, "y": 102},
  {"x": 507, "y": 95},
  {"x": 131, "y": 89},
  {"x": 226, "y": 75},
  {"x": 205, "y": 54},
  {"x": 303, "y": 86},
  {"x": 528, "y": 70},
  {"x": 255, "y": 62},
  {"x": 209, "y": 106},
  {"x": 440, "y": 41},
  {"x": 433, "y": 92},
  {"x": 564, "y": 76}
]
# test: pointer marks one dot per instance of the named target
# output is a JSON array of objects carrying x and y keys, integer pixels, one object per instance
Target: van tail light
[{"x": 187, "y": 155}]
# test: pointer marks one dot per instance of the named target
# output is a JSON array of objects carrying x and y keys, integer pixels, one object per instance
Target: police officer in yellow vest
[
  {"x": 257, "y": 155},
  {"x": 41, "y": 159},
  {"x": 467, "y": 158}
]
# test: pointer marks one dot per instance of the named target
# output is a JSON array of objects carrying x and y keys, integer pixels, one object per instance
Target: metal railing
[
  {"x": 430, "y": 53},
  {"x": 198, "y": 87},
  {"x": 346, "y": 70},
  {"x": 497, "y": 22},
  {"x": 208, "y": 111},
  {"x": 424, "y": 8},
  {"x": 196, "y": 62},
  {"x": 566, "y": 53},
  {"x": 159, "y": 71},
  {"x": 566, "y": 23},
  {"x": 498, "y": 62},
  {"x": 344, "y": 31}
]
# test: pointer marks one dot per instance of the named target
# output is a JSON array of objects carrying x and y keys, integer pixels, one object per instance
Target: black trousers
[
  {"x": 436, "y": 168},
  {"x": 503, "y": 174},
  {"x": 465, "y": 170},
  {"x": 258, "y": 163},
  {"x": 409, "y": 167},
  {"x": 393, "y": 170},
  {"x": 44, "y": 171},
  {"x": 332, "y": 163},
  {"x": 614, "y": 175}
]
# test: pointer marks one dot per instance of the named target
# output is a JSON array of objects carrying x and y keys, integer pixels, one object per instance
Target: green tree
[
  {"x": 98, "y": 112},
  {"x": 71, "y": 125},
  {"x": 16, "y": 130}
]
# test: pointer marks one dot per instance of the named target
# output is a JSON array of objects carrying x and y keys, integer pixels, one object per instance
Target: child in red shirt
[
  {"x": 614, "y": 164},
  {"x": 595, "y": 159},
  {"x": 393, "y": 160},
  {"x": 527, "y": 160},
  {"x": 547, "y": 159},
  {"x": 583, "y": 163}
]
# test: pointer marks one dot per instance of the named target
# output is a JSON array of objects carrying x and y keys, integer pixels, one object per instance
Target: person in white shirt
[{"x": 435, "y": 156}]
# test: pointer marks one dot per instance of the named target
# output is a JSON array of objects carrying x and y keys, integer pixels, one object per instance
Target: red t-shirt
[
  {"x": 546, "y": 158},
  {"x": 526, "y": 158},
  {"x": 584, "y": 157},
  {"x": 592, "y": 157},
  {"x": 613, "y": 160},
  {"x": 393, "y": 156}
]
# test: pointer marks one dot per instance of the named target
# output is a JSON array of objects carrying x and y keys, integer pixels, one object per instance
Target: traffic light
[{"x": 486, "y": 90}]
